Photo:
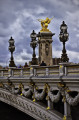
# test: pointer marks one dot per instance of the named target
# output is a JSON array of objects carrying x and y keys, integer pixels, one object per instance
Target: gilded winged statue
[{"x": 44, "y": 24}]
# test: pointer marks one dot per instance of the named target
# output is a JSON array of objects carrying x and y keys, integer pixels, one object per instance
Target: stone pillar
[
  {"x": 10, "y": 72},
  {"x": 45, "y": 47},
  {"x": 63, "y": 68},
  {"x": 33, "y": 70},
  {"x": 67, "y": 111},
  {"x": 21, "y": 73},
  {"x": 50, "y": 104},
  {"x": 2, "y": 73},
  {"x": 47, "y": 71}
]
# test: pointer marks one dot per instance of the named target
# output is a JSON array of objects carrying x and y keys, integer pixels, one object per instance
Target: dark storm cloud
[{"x": 19, "y": 17}]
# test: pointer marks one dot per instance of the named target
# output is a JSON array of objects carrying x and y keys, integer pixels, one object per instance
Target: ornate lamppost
[
  {"x": 11, "y": 49},
  {"x": 63, "y": 36},
  {"x": 33, "y": 44}
]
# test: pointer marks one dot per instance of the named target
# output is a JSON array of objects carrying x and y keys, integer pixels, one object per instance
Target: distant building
[{"x": 56, "y": 61}]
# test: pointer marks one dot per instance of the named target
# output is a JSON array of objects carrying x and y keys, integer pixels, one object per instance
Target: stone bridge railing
[
  {"x": 42, "y": 82},
  {"x": 56, "y": 70}
]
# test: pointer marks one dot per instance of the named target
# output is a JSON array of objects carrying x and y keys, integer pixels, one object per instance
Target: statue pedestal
[{"x": 45, "y": 47}]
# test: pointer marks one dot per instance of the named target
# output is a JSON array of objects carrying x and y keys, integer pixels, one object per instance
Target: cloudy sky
[{"x": 19, "y": 17}]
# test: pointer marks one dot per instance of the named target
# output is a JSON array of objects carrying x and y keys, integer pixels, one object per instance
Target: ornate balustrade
[
  {"x": 16, "y": 72},
  {"x": 4, "y": 72},
  {"x": 46, "y": 71},
  {"x": 73, "y": 70},
  {"x": 43, "y": 74},
  {"x": 56, "y": 70},
  {"x": 27, "y": 82}
]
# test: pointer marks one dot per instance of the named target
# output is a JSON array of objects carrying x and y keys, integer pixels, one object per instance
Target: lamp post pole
[
  {"x": 33, "y": 44},
  {"x": 63, "y": 36},
  {"x": 11, "y": 49},
  {"x": 34, "y": 55}
]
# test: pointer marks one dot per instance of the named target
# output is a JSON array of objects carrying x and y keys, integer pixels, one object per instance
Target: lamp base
[
  {"x": 64, "y": 58},
  {"x": 34, "y": 61},
  {"x": 12, "y": 64}
]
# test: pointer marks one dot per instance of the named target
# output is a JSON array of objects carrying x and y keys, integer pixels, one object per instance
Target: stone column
[
  {"x": 63, "y": 68},
  {"x": 47, "y": 71},
  {"x": 10, "y": 72},
  {"x": 50, "y": 104},
  {"x": 2, "y": 73},
  {"x": 33, "y": 70},
  {"x": 45, "y": 47},
  {"x": 67, "y": 111},
  {"x": 21, "y": 73}
]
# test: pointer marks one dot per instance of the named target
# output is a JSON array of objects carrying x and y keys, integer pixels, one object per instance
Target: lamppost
[
  {"x": 33, "y": 44},
  {"x": 63, "y": 36},
  {"x": 11, "y": 49}
]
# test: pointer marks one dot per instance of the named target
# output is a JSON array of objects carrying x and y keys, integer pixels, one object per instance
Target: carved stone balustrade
[
  {"x": 27, "y": 82},
  {"x": 56, "y": 70}
]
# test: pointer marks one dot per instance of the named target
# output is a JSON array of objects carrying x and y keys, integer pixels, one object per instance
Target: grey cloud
[
  {"x": 76, "y": 2},
  {"x": 19, "y": 17},
  {"x": 25, "y": 58}
]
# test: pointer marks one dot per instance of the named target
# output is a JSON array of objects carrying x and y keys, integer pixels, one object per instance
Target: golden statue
[{"x": 44, "y": 24}]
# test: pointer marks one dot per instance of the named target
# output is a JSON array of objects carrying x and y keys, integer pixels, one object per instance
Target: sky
[{"x": 18, "y": 18}]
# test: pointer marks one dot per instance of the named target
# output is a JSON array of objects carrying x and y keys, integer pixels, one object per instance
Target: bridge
[
  {"x": 35, "y": 90},
  {"x": 43, "y": 92}
]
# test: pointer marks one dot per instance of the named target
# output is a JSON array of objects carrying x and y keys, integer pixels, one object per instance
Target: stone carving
[
  {"x": 39, "y": 96},
  {"x": 33, "y": 92},
  {"x": 63, "y": 90},
  {"x": 15, "y": 90},
  {"x": 27, "y": 106},
  {"x": 47, "y": 49},
  {"x": 54, "y": 98},
  {"x": 27, "y": 93},
  {"x": 72, "y": 101},
  {"x": 66, "y": 97}
]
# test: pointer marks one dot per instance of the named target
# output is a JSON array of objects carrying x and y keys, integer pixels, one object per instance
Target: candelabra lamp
[
  {"x": 11, "y": 49},
  {"x": 63, "y": 36},
  {"x": 33, "y": 44}
]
